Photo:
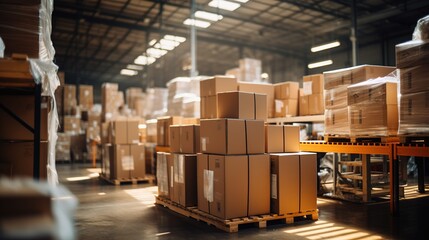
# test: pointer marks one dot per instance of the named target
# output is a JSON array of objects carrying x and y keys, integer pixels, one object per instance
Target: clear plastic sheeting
[
  {"x": 414, "y": 114},
  {"x": 162, "y": 174},
  {"x": 337, "y": 121},
  {"x": 412, "y": 53},
  {"x": 421, "y": 31},
  {"x": 250, "y": 70},
  {"x": 155, "y": 102},
  {"x": 58, "y": 219},
  {"x": 336, "y": 97},
  {"x": 1, "y": 48},
  {"x": 414, "y": 79},
  {"x": 380, "y": 90},
  {"x": 184, "y": 96}
]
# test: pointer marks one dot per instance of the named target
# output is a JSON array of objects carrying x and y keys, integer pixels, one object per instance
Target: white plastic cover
[
  {"x": 1, "y": 48},
  {"x": 208, "y": 185},
  {"x": 421, "y": 31}
]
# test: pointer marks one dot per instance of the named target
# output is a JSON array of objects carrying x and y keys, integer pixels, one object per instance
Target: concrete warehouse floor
[{"x": 106, "y": 211}]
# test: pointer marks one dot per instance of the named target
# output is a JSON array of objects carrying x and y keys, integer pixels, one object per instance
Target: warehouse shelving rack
[{"x": 16, "y": 79}]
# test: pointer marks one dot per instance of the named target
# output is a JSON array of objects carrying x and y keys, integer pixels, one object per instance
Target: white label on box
[
  {"x": 127, "y": 163},
  {"x": 307, "y": 88},
  {"x": 279, "y": 105},
  {"x": 181, "y": 169},
  {"x": 171, "y": 176},
  {"x": 135, "y": 141},
  {"x": 208, "y": 185},
  {"x": 44, "y": 105},
  {"x": 204, "y": 144},
  {"x": 176, "y": 167},
  {"x": 274, "y": 186}
]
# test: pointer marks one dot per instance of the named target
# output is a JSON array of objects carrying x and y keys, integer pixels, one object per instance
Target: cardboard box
[
  {"x": 316, "y": 104},
  {"x": 163, "y": 125},
  {"x": 308, "y": 181},
  {"x": 230, "y": 186},
  {"x": 373, "y": 92},
  {"x": 118, "y": 131},
  {"x": 274, "y": 139},
  {"x": 291, "y": 138},
  {"x": 17, "y": 159},
  {"x": 23, "y": 107},
  {"x": 209, "y": 107},
  {"x": 138, "y": 155},
  {"x": 352, "y": 75},
  {"x": 105, "y": 133},
  {"x": 235, "y": 104},
  {"x": 259, "y": 184},
  {"x": 175, "y": 138},
  {"x": 286, "y": 108},
  {"x": 375, "y": 119},
  {"x": 304, "y": 105},
  {"x": 212, "y": 86},
  {"x": 313, "y": 84},
  {"x": 123, "y": 162},
  {"x": 414, "y": 113},
  {"x": 133, "y": 130},
  {"x": 163, "y": 174},
  {"x": 185, "y": 179},
  {"x": 285, "y": 177},
  {"x": 190, "y": 139},
  {"x": 70, "y": 101},
  {"x": 255, "y": 136},
  {"x": 414, "y": 79},
  {"x": 204, "y": 183},
  {"x": 261, "y": 88},
  {"x": 286, "y": 90},
  {"x": 72, "y": 124},
  {"x": 151, "y": 133},
  {"x": 261, "y": 110},
  {"x": 412, "y": 53},
  {"x": 337, "y": 121},
  {"x": 223, "y": 136},
  {"x": 336, "y": 98},
  {"x": 86, "y": 96}
]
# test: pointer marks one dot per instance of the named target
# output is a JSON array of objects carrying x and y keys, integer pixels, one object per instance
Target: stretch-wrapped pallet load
[
  {"x": 184, "y": 97},
  {"x": 373, "y": 106},
  {"x": 250, "y": 70},
  {"x": 337, "y": 112},
  {"x": 412, "y": 59},
  {"x": 155, "y": 103},
  {"x": 133, "y": 95}
]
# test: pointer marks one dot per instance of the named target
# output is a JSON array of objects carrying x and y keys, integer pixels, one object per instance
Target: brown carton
[
  {"x": 259, "y": 184},
  {"x": 337, "y": 121},
  {"x": 86, "y": 98},
  {"x": 304, "y": 109},
  {"x": 223, "y": 136},
  {"x": 230, "y": 186},
  {"x": 133, "y": 130},
  {"x": 212, "y": 86},
  {"x": 123, "y": 162},
  {"x": 261, "y": 88},
  {"x": 274, "y": 139},
  {"x": 286, "y": 90},
  {"x": 261, "y": 110},
  {"x": 105, "y": 134},
  {"x": 308, "y": 181},
  {"x": 291, "y": 138},
  {"x": 204, "y": 182},
  {"x": 347, "y": 76},
  {"x": 414, "y": 79},
  {"x": 175, "y": 138},
  {"x": 190, "y": 139},
  {"x": 313, "y": 84},
  {"x": 138, "y": 154},
  {"x": 285, "y": 179},
  {"x": 336, "y": 97},
  {"x": 163, "y": 125},
  {"x": 316, "y": 104},
  {"x": 70, "y": 101},
  {"x": 17, "y": 159},
  {"x": 375, "y": 119},
  {"x": 71, "y": 124},
  {"x": 185, "y": 179},
  {"x": 412, "y": 53},
  {"x": 414, "y": 113},
  {"x": 286, "y": 108},
  {"x": 373, "y": 92},
  {"x": 255, "y": 136},
  {"x": 23, "y": 107},
  {"x": 118, "y": 131},
  {"x": 209, "y": 107},
  {"x": 235, "y": 104}
]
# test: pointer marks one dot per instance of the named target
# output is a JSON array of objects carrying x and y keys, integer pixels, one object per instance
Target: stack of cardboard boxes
[
  {"x": 111, "y": 99},
  {"x": 412, "y": 61},
  {"x": 233, "y": 169},
  {"x": 123, "y": 154},
  {"x": 184, "y": 97},
  {"x": 261, "y": 88},
  {"x": 311, "y": 96},
  {"x": 337, "y": 118},
  {"x": 286, "y": 99}
]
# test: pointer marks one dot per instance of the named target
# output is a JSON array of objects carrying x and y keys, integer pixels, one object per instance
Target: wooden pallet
[
  {"x": 232, "y": 225},
  {"x": 148, "y": 179},
  {"x": 361, "y": 139},
  {"x": 419, "y": 139}
]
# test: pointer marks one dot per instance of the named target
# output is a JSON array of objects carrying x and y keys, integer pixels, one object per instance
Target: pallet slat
[
  {"x": 232, "y": 225},
  {"x": 148, "y": 179}
]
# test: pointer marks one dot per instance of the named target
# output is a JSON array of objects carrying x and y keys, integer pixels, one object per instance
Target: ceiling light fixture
[
  {"x": 197, "y": 23},
  {"x": 320, "y": 64},
  {"x": 175, "y": 38},
  {"x": 144, "y": 60},
  {"x": 134, "y": 67},
  {"x": 158, "y": 45},
  {"x": 129, "y": 72},
  {"x": 325, "y": 46},
  {"x": 167, "y": 42},
  {"x": 242, "y": 1},
  {"x": 156, "y": 52},
  {"x": 152, "y": 42},
  {"x": 208, "y": 16},
  {"x": 225, "y": 5}
]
